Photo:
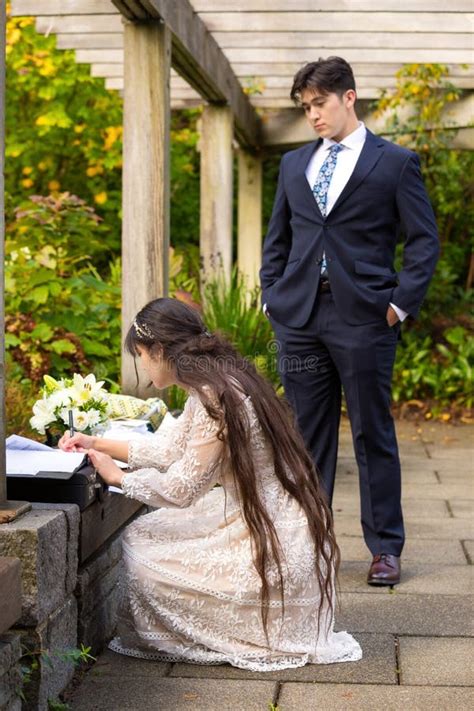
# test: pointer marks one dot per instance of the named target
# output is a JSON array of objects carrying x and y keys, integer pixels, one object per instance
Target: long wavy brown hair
[{"x": 210, "y": 365}]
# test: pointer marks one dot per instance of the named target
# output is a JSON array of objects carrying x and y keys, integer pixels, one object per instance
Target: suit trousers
[{"x": 314, "y": 362}]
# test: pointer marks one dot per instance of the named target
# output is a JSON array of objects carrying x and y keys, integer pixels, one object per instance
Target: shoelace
[{"x": 384, "y": 557}]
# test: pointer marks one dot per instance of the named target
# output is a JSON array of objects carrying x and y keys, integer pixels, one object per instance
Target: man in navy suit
[{"x": 334, "y": 298}]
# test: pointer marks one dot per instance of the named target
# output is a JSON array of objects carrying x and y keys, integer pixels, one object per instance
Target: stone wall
[
  {"x": 10, "y": 674},
  {"x": 64, "y": 604}
]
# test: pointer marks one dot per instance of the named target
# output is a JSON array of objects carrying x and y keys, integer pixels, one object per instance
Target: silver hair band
[{"x": 143, "y": 331}]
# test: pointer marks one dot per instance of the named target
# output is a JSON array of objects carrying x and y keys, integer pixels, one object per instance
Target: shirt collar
[{"x": 353, "y": 140}]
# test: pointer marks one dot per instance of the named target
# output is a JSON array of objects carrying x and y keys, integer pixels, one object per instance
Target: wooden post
[
  {"x": 216, "y": 192},
  {"x": 145, "y": 235},
  {"x": 249, "y": 247},
  {"x": 9, "y": 510}
]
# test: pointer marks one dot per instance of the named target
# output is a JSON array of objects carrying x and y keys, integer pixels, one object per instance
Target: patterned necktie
[{"x": 321, "y": 186}]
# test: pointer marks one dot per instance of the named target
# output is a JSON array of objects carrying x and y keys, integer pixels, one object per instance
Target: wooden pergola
[{"x": 237, "y": 59}]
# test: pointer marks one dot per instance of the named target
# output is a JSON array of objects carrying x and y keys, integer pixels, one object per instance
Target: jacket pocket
[{"x": 372, "y": 269}]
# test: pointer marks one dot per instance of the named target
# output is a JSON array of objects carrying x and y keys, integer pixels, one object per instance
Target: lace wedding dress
[{"x": 190, "y": 589}]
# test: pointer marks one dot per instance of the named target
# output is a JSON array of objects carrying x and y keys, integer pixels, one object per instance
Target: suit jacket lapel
[
  {"x": 370, "y": 154},
  {"x": 302, "y": 180}
]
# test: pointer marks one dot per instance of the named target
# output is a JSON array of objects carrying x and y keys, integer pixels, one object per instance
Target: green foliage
[
  {"x": 62, "y": 315},
  {"x": 63, "y": 128},
  {"x": 184, "y": 179},
  {"x": 436, "y": 371},
  {"x": 417, "y": 114},
  {"x": 234, "y": 310},
  {"x": 32, "y": 659}
]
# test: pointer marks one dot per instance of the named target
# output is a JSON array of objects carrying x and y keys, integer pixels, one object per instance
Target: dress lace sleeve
[
  {"x": 164, "y": 447},
  {"x": 188, "y": 477}
]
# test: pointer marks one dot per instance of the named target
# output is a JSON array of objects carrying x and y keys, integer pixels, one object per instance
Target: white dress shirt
[{"x": 346, "y": 162}]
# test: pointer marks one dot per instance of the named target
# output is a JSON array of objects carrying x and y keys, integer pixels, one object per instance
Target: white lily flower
[
  {"x": 87, "y": 388},
  {"x": 79, "y": 418},
  {"x": 43, "y": 415}
]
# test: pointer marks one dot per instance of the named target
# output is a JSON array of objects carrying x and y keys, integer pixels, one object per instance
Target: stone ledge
[
  {"x": 10, "y": 674},
  {"x": 10, "y": 599},
  {"x": 73, "y": 521},
  {"x": 55, "y": 634},
  {"x": 40, "y": 539}
]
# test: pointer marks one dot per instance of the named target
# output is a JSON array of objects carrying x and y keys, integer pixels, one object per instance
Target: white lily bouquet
[{"x": 84, "y": 397}]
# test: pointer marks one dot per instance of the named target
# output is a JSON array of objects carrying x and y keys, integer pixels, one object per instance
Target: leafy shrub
[
  {"x": 438, "y": 372},
  {"x": 61, "y": 314}
]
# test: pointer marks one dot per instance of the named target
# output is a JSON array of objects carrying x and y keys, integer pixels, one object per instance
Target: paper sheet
[
  {"x": 29, "y": 463},
  {"x": 18, "y": 442}
]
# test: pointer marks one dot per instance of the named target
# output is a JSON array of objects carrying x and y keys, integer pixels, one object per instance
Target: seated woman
[{"x": 242, "y": 572}]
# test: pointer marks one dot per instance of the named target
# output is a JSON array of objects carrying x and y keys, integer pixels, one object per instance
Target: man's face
[{"x": 330, "y": 115}]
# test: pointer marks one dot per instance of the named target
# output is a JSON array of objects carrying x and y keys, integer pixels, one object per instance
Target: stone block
[
  {"x": 55, "y": 635},
  {"x": 397, "y": 613},
  {"x": 73, "y": 522},
  {"x": 437, "y": 661},
  {"x": 97, "y": 626},
  {"x": 127, "y": 694},
  {"x": 345, "y": 697},
  {"x": 417, "y": 578},
  {"x": 40, "y": 540},
  {"x": 110, "y": 665},
  {"x": 437, "y": 552},
  {"x": 10, "y": 599},
  {"x": 10, "y": 651},
  {"x": 377, "y": 666},
  {"x": 98, "y": 595},
  {"x": 469, "y": 551},
  {"x": 444, "y": 528},
  {"x": 462, "y": 508},
  {"x": 10, "y": 673}
]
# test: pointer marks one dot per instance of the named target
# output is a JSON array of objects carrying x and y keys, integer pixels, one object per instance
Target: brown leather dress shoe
[{"x": 384, "y": 570}]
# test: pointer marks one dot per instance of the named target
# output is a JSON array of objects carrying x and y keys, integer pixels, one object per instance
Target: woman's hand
[
  {"x": 106, "y": 467},
  {"x": 77, "y": 443}
]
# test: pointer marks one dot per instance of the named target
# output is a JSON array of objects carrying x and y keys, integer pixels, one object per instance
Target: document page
[{"x": 29, "y": 463}]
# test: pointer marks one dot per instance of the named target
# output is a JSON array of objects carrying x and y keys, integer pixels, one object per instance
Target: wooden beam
[
  {"x": 216, "y": 192},
  {"x": 91, "y": 7},
  {"x": 249, "y": 243},
  {"x": 78, "y": 24},
  {"x": 88, "y": 56},
  {"x": 338, "y": 21},
  {"x": 203, "y": 6},
  {"x": 344, "y": 40},
  {"x": 145, "y": 236},
  {"x": 286, "y": 128},
  {"x": 243, "y": 68},
  {"x": 63, "y": 7},
  {"x": 99, "y": 40},
  {"x": 364, "y": 55},
  {"x": 198, "y": 58},
  {"x": 176, "y": 92}
]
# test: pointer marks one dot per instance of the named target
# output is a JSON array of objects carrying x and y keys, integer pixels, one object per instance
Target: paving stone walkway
[{"x": 417, "y": 640}]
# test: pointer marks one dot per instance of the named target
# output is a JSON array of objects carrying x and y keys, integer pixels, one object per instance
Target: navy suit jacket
[{"x": 384, "y": 195}]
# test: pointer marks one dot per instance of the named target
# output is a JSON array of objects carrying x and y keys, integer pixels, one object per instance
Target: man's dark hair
[{"x": 327, "y": 76}]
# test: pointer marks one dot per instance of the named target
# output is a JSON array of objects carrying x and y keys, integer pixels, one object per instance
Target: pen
[{"x": 71, "y": 424}]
